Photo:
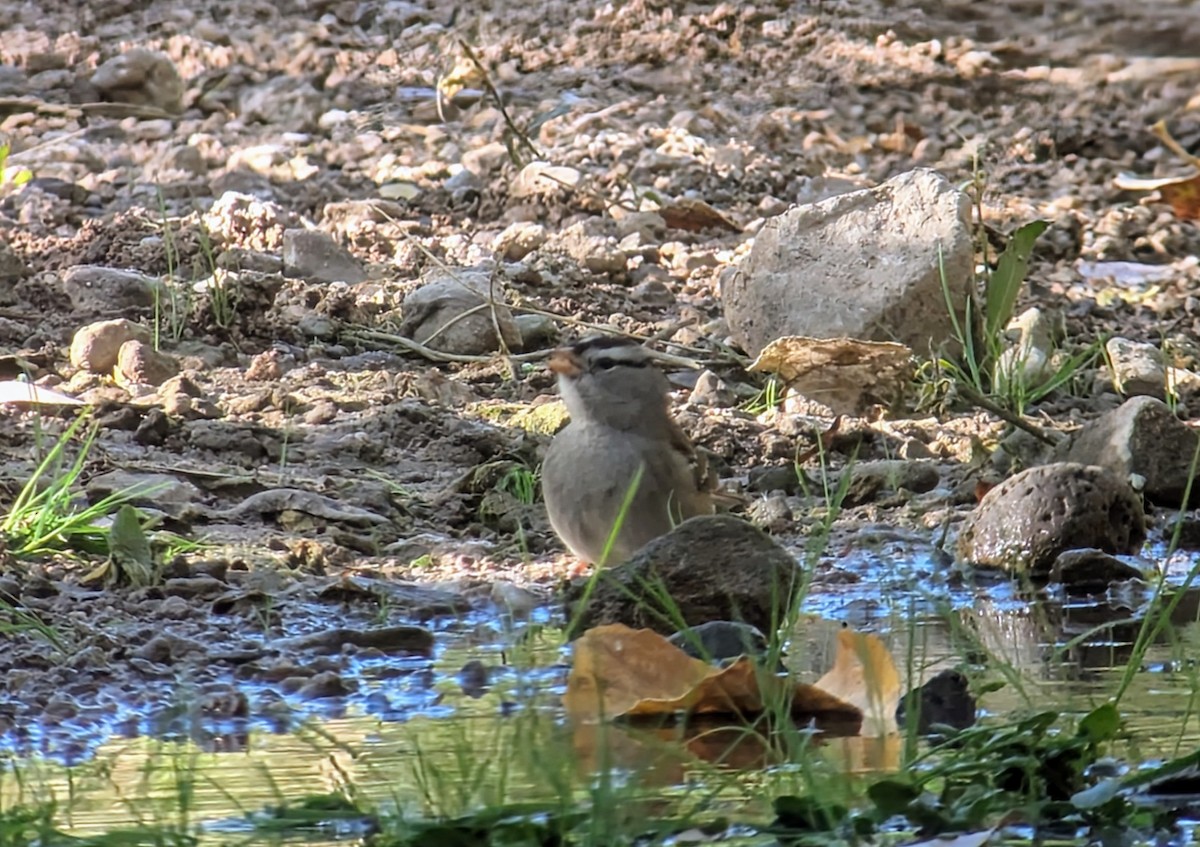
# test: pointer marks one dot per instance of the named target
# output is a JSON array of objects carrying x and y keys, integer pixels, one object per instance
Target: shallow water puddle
[{"x": 479, "y": 724}]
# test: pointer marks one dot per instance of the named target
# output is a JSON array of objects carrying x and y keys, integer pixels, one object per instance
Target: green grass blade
[{"x": 1005, "y": 283}]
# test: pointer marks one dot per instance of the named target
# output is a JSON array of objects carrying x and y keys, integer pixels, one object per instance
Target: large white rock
[{"x": 863, "y": 265}]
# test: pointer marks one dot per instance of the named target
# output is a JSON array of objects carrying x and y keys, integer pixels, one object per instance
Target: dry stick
[
  {"x": 1004, "y": 414},
  {"x": 527, "y": 142},
  {"x": 438, "y": 355},
  {"x": 491, "y": 301},
  {"x": 1160, "y": 131},
  {"x": 487, "y": 82}
]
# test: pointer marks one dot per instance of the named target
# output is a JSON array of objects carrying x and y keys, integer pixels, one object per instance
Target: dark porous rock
[
  {"x": 709, "y": 568},
  {"x": 1089, "y": 571},
  {"x": 1141, "y": 437},
  {"x": 944, "y": 700},
  {"x": 1024, "y": 523}
]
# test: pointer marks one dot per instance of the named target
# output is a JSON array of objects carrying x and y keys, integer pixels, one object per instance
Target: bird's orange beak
[{"x": 564, "y": 362}]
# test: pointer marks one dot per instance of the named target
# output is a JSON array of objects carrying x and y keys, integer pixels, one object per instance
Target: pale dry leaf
[
  {"x": 1182, "y": 193},
  {"x": 622, "y": 672},
  {"x": 846, "y": 374},
  {"x": 694, "y": 215},
  {"x": 865, "y": 675},
  {"x": 16, "y": 391}
]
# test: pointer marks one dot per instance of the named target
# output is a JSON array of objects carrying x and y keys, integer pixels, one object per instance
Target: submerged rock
[
  {"x": 944, "y": 699},
  {"x": 1023, "y": 524},
  {"x": 1089, "y": 570}
]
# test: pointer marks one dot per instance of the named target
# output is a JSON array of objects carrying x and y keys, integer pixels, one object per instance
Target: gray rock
[
  {"x": 1023, "y": 524},
  {"x": 539, "y": 179},
  {"x": 518, "y": 240},
  {"x": 95, "y": 346},
  {"x": 653, "y": 292},
  {"x": 1144, "y": 438},
  {"x": 313, "y": 325},
  {"x": 141, "y": 77},
  {"x": 537, "y": 331},
  {"x": 863, "y": 265},
  {"x": 778, "y": 478},
  {"x": 869, "y": 479},
  {"x": 717, "y": 641},
  {"x": 711, "y": 390},
  {"x": 1138, "y": 368},
  {"x": 443, "y": 299},
  {"x": 12, "y": 267},
  {"x": 283, "y": 101},
  {"x": 712, "y": 568},
  {"x": 486, "y": 160},
  {"x": 163, "y": 491},
  {"x": 593, "y": 245},
  {"x": 314, "y": 256},
  {"x": 93, "y": 288}
]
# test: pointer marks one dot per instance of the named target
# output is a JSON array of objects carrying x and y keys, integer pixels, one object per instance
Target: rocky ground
[{"x": 234, "y": 221}]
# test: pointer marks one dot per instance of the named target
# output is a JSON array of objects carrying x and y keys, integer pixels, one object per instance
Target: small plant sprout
[{"x": 49, "y": 515}]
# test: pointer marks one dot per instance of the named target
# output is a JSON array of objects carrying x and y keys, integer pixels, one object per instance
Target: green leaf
[
  {"x": 130, "y": 549},
  {"x": 1101, "y": 724},
  {"x": 1005, "y": 283},
  {"x": 893, "y": 797},
  {"x": 808, "y": 813}
]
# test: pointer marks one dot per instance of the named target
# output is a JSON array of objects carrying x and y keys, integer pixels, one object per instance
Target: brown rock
[
  {"x": 712, "y": 568},
  {"x": 139, "y": 362},
  {"x": 95, "y": 346},
  {"x": 141, "y": 77}
]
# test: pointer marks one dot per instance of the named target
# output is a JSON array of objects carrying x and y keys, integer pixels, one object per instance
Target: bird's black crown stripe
[
  {"x": 606, "y": 362},
  {"x": 603, "y": 342}
]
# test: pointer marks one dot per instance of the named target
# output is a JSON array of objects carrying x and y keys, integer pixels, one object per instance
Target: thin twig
[
  {"x": 1004, "y": 414},
  {"x": 438, "y": 355},
  {"x": 487, "y": 82}
]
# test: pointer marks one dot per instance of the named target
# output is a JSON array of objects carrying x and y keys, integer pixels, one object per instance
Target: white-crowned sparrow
[{"x": 617, "y": 399}]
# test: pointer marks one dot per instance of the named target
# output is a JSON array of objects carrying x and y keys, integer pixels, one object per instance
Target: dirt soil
[{"x": 322, "y": 463}]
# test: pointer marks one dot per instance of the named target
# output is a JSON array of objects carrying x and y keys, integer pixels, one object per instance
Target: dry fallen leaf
[
  {"x": 622, "y": 672},
  {"x": 466, "y": 73},
  {"x": 845, "y": 374},
  {"x": 1182, "y": 192},
  {"x": 693, "y": 215},
  {"x": 17, "y": 391},
  {"x": 864, "y": 675}
]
